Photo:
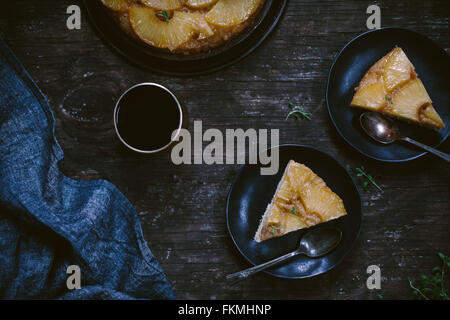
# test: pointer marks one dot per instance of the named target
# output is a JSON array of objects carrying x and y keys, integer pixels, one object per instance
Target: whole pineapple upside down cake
[{"x": 184, "y": 26}]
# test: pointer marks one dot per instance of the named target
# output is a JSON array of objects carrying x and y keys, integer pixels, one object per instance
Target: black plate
[
  {"x": 165, "y": 62},
  {"x": 433, "y": 67},
  {"x": 250, "y": 194}
]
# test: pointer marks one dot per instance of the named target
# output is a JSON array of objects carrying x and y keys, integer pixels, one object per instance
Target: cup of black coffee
[{"x": 148, "y": 118}]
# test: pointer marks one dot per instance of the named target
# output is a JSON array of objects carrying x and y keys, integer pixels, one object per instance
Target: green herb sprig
[
  {"x": 164, "y": 15},
  {"x": 274, "y": 228},
  {"x": 388, "y": 99},
  {"x": 362, "y": 173},
  {"x": 432, "y": 287},
  {"x": 297, "y": 113}
]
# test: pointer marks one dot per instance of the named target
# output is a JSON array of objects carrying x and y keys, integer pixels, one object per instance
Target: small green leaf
[
  {"x": 436, "y": 269},
  {"x": 297, "y": 113},
  {"x": 432, "y": 287},
  {"x": 362, "y": 173}
]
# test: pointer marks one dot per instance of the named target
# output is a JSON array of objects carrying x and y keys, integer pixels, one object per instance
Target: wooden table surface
[{"x": 182, "y": 208}]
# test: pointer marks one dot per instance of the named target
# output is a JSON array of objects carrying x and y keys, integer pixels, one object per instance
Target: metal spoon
[
  {"x": 385, "y": 131},
  {"x": 314, "y": 244}
]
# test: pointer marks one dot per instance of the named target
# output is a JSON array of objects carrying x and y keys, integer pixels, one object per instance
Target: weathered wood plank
[{"x": 182, "y": 207}]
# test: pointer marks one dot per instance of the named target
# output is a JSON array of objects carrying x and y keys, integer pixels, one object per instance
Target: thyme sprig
[
  {"x": 362, "y": 173},
  {"x": 432, "y": 287},
  {"x": 388, "y": 99},
  {"x": 273, "y": 228},
  {"x": 297, "y": 113},
  {"x": 164, "y": 15}
]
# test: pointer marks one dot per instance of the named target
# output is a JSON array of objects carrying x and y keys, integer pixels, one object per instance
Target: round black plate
[
  {"x": 433, "y": 67},
  {"x": 165, "y": 62},
  {"x": 251, "y": 193}
]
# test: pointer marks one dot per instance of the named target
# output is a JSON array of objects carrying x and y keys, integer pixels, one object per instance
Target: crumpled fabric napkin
[{"x": 49, "y": 222}]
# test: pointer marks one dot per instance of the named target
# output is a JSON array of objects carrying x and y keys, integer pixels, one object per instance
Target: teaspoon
[
  {"x": 385, "y": 131},
  {"x": 314, "y": 244}
]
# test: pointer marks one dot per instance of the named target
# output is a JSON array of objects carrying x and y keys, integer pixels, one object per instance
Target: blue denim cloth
[{"x": 49, "y": 222}]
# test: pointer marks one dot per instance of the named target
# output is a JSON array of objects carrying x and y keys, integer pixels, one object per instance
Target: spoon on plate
[
  {"x": 314, "y": 244},
  {"x": 385, "y": 131}
]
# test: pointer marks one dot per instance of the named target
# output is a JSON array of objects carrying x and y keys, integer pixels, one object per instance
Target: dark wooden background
[{"x": 182, "y": 208}]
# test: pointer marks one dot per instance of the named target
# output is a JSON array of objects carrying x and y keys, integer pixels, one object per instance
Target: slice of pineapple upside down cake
[{"x": 392, "y": 86}]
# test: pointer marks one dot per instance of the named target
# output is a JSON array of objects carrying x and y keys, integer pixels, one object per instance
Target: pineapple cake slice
[
  {"x": 116, "y": 5},
  {"x": 392, "y": 86},
  {"x": 162, "y": 31},
  {"x": 162, "y": 4},
  {"x": 302, "y": 200},
  {"x": 227, "y": 13},
  {"x": 200, "y": 4}
]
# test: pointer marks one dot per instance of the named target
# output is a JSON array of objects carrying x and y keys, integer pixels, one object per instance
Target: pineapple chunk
[
  {"x": 298, "y": 177},
  {"x": 413, "y": 102},
  {"x": 372, "y": 97},
  {"x": 409, "y": 99},
  {"x": 200, "y": 4},
  {"x": 276, "y": 216},
  {"x": 150, "y": 29},
  {"x": 397, "y": 70},
  {"x": 284, "y": 193},
  {"x": 428, "y": 114},
  {"x": 227, "y": 13},
  {"x": 116, "y": 5},
  {"x": 321, "y": 203},
  {"x": 162, "y": 4},
  {"x": 201, "y": 27}
]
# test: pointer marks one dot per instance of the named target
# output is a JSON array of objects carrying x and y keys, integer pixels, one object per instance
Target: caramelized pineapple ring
[
  {"x": 227, "y": 13},
  {"x": 162, "y": 33}
]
